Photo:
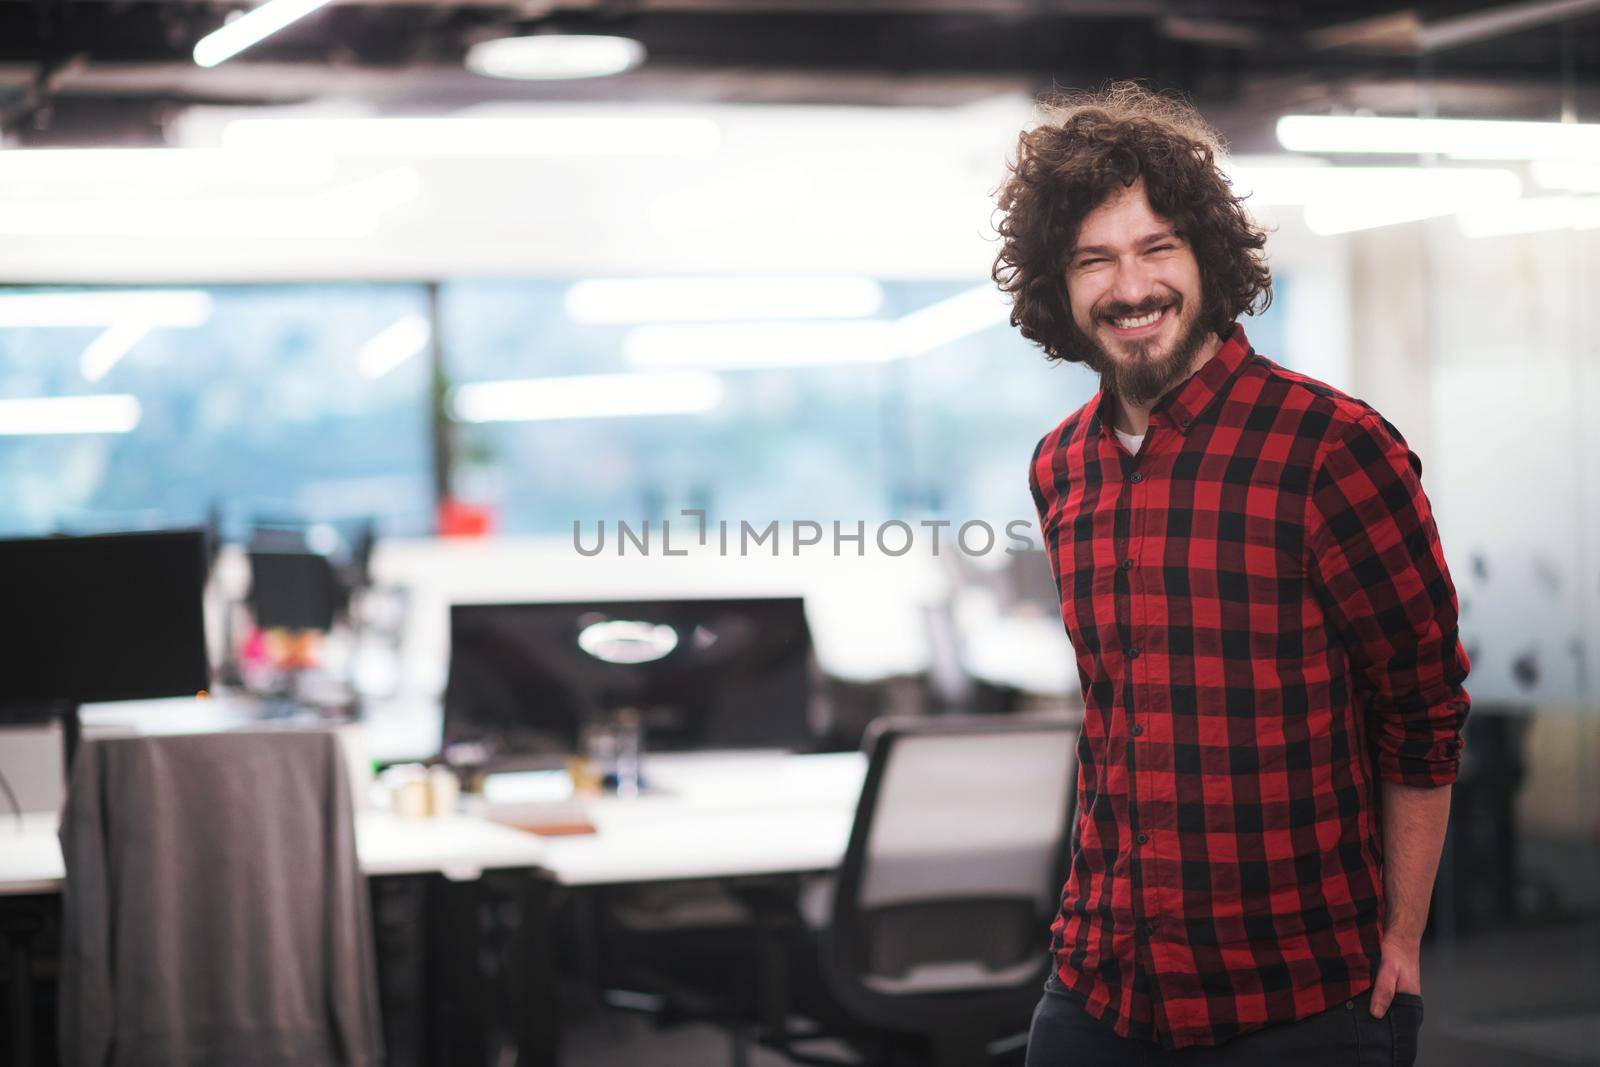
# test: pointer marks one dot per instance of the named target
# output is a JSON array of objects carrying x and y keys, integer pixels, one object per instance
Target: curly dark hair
[{"x": 1087, "y": 146}]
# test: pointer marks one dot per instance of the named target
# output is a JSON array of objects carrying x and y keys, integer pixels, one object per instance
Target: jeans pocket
[{"x": 1405, "y": 1021}]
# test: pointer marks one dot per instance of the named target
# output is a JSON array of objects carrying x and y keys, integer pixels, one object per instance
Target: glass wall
[
  {"x": 841, "y": 399},
  {"x": 1508, "y": 356},
  {"x": 145, "y": 407}
]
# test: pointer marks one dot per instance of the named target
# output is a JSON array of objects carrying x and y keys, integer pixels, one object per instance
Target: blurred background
[{"x": 425, "y": 289}]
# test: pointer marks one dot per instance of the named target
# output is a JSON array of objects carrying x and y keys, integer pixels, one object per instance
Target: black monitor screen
[
  {"x": 703, "y": 674},
  {"x": 115, "y": 617},
  {"x": 293, "y": 590}
]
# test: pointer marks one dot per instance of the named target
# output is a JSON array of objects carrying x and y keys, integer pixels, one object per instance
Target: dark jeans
[{"x": 1065, "y": 1035}]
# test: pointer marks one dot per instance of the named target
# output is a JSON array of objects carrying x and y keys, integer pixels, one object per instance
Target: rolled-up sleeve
[{"x": 1379, "y": 571}]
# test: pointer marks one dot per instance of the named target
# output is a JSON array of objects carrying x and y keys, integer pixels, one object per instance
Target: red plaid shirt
[{"x": 1264, "y": 628}]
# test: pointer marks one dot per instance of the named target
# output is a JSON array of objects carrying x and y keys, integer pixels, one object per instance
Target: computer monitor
[
  {"x": 294, "y": 591},
  {"x": 109, "y": 617},
  {"x": 703, "y": 674}
]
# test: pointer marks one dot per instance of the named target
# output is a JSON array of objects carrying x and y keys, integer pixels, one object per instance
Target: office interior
[{"x": 496, "y": 410}]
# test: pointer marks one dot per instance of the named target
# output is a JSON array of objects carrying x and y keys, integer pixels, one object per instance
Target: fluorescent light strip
[
  {"x": 347, "y": 212},
  {"x": 952, "y": 319},
  {"x": 462, "y": 135},
  {"x": 393, "y": 345},
  {"x": 161, "y": 166},
  {"x": 1572, "y": 177},
  {"x": 1345, "y": 199},
  {"x": 57, "y": 415},
  {"x": 1299, "y": 185},
  {"x": 1534, "y": 215},
  {"x": 588, "y": 396},
  {"x": 1330, "y": 219},
  {"x": 754, "y": 346},
  {"x": 739, "y": 346},
  {"x": 107, "y": 350},
  {"x": 1456, "y": 138},
  {"x": 152, "y": 307},
  {"x": 251, "y": 28},
  {"x": 554, "y": 56},
  {"x": 178, "y": 218},
  {"x": 614, "y": 300}
]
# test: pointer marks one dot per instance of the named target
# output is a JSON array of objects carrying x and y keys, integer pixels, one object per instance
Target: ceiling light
[
  {"x": 153, "y": 307},
  {"x": 1533, "y": 215},
  {"x": 588, "y": 396},
  {"x": 740, "y": 346},
  {"x": 1302, "y": 185},
  {"x": 107, "y": 349},
  {"x": 253, "y": 26},
  {"x": 1329, "y": 219},
  {"x": 161, "y": 166},
  {"x": 554, "y": 56},
  {"x": 393, "y": 345},
  {"x": 759, "y": 345},
  {"x": 1573, "y": 177},
  {"x": 181, "y": 218},
  {"x": 952, "y": 319},
  {"x": 350, "y": 211},
  {"x": 108, "y": 413},
  {"x": 1345, "y": 199},
  {"x": 1456, "y": 138},
  {"x": 611, "y": 300},
  {"x": 597, "y": 135}
]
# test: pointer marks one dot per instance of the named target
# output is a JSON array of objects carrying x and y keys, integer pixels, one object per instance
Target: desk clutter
[{"x": 619, "y": 801}]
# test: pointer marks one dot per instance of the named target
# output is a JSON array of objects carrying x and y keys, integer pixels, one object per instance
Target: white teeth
[{"x": 1137, "y": 321}]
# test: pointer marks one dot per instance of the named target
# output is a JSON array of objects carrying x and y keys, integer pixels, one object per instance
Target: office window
[
  {"x": 981, "y": 402},
  {"x": 148, "y": 406},
  {"x": 914, "y": 398},
  {"x": 729, "y": 427}
]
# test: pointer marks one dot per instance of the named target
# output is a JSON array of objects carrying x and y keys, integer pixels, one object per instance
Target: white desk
[
  {"x": 706, "y": 816},
  {"x": 718, "y": 816},
  {"x": 711, "y": 816}
]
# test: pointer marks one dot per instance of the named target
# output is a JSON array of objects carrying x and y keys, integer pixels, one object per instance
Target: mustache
[{"x": 1116, "y": 309}]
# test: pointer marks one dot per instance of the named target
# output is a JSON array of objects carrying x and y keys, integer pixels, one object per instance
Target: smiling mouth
[{"x": 1138, "y": 325}]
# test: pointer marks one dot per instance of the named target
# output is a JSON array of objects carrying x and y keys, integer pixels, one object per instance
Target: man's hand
[
  {"x": 1414, "y": 821},
  {"x": 1398, "y": 972}
]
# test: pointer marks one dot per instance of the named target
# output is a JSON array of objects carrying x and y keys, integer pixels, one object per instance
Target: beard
[{"x": 1139, "y": 375}]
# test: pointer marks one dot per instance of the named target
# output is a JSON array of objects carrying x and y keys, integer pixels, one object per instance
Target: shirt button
[
  {"x": 1138, "y": 728},
  {"x": 1149, "y": 929},
  {"x": 1144, "y": 839},
  {"x": 1133, "y": 653},
  {"x": 1127, "y": 564},
  {"x": 1185, "y": 423},
  {"x": 1138, "y": 476}
]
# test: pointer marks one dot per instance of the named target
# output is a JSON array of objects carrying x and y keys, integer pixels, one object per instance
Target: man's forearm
[{"x": 1414, "y": 822}]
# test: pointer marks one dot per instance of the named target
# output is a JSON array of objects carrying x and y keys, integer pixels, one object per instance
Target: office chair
[
  {"x": 213, "y": 909},
  {"x": 934, "y": 947}
]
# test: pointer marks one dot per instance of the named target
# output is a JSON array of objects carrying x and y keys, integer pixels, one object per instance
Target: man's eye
[
  {"x": 1090, "y": 262},
  {"x": 1161, "y": 248}
]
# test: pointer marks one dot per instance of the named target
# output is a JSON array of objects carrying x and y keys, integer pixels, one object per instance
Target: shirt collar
[{"x": 1183, "y": 406}]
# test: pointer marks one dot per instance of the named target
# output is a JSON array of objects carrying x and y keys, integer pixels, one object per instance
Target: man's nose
[{"x": 1134, "y": 283}]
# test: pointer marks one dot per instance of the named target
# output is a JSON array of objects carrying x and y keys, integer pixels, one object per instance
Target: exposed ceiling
[{"x": 118, "y": 71}]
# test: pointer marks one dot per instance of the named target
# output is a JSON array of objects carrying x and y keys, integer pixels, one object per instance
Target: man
[{"x": 1263, "y": 621}]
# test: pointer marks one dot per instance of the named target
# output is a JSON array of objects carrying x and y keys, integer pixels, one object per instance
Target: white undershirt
[{"x": 1129, "y": 441}]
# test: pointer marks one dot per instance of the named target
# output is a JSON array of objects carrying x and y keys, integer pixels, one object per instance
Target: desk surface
[{"x": 712, "y": 816}]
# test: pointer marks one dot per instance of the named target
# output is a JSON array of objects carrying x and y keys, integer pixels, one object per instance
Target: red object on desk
[{"x": 460, "y": 519}]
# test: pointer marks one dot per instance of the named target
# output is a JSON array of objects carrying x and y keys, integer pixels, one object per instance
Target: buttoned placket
[{"x": 1137, "y": 490}]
